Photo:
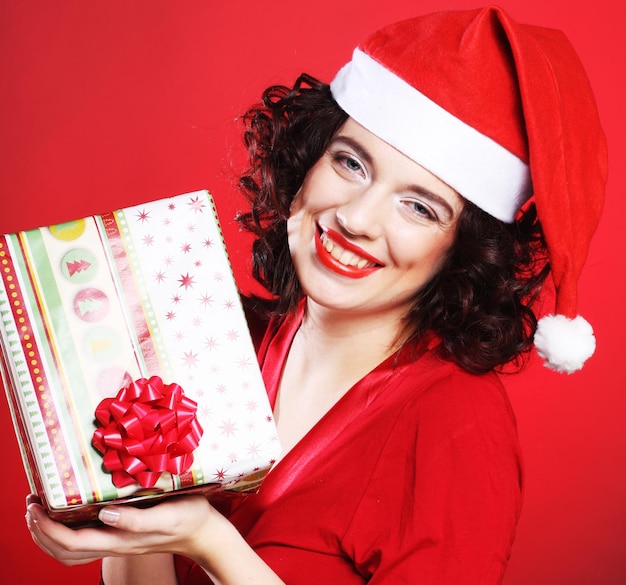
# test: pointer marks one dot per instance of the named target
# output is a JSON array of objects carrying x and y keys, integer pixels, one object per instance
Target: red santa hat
[{"x": 500, "y": 111}]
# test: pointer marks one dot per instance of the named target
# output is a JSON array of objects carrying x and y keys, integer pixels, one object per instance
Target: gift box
[{"x": 127, "y": 360}]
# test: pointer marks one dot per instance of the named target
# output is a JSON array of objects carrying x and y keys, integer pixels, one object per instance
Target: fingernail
[
  {"x": 109, "y": 516},
  {"x": 32, "y": 499}
]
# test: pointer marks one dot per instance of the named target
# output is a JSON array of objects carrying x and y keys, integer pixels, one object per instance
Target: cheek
[
  {"x": 322, "y": 188},
  {"x": 301, "y": 222},
  {"x": 425, "y": 255}
]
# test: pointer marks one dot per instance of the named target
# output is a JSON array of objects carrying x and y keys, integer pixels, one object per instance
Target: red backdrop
[{"x": 107, "y": 104}]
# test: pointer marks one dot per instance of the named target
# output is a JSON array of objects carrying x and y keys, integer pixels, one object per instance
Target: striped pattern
[{"x": 89, "y": 305}]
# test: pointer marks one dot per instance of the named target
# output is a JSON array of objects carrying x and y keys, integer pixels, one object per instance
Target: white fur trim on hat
[
  {"x": 476, "y": 166},
  {"x": 564, "y": 343}
]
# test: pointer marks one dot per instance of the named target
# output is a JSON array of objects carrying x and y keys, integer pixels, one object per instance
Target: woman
[{"x": 400, "y": 247}]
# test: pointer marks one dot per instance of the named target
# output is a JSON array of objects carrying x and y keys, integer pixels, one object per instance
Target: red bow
[{"x": 148, "y": 428}]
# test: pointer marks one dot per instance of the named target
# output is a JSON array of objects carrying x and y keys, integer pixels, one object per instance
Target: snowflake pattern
[
  {"x": 244, "y": 362},
  {"x": 220, "y": 474},
  {"x": 210, "y": 343},
  {"x": 143, "y": 216},
  {"x": 190, "y": 359},
  {"x": 203, "y": 328},
  {"x": 196, "y": 204},
  {"x": 254, "y": 450},
  {"x": 232, "y": 335},
  {"x": 206, "y": 300},
  {"x": 228, "y": 428},
  {"x": 186, "y": 280}
]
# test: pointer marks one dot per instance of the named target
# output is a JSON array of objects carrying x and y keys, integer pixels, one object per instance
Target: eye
[
  {"x": 352, "y": 164},
  {"x": 349, "y": 163},
  {"x": 420, "y": 209}
]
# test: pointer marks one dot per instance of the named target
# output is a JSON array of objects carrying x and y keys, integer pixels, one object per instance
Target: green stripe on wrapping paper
[{"x": 65, "y": 373}]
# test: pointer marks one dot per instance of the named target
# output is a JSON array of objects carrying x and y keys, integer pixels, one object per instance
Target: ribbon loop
[{"x": 147, "y": 429}]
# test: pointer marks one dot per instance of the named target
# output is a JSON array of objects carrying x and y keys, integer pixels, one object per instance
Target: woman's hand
[
  {"x": 185, "y": 525},
  {"x": 174, "y": 526}
]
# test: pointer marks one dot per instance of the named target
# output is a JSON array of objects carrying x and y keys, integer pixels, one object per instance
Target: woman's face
[{"x": 369, "y": 226}]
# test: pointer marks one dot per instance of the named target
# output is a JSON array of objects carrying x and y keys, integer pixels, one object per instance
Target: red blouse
[{"x": 414, "y": 476}]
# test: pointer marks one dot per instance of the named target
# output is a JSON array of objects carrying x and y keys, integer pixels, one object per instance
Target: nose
[{"x": 363, "y": 215}]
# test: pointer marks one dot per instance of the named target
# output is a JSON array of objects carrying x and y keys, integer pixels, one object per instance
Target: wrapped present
[{"x": 127, "y": 361}]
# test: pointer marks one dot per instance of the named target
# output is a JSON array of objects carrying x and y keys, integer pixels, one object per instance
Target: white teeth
[{"x": 346, "y": 257}]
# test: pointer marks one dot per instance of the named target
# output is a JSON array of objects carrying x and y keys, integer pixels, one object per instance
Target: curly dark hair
[{"x": 478, "y": 304}]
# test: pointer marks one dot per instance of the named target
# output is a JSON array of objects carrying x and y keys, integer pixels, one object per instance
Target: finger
[
  {"x": 163, "y": 518},
  {"x": 32, "y": 499},
  {"x": 31, "y": 522},
  {"x": 41, "y": 529}
]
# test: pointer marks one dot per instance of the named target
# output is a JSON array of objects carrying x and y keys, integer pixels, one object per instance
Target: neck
[{"x": 364, "y": 337}]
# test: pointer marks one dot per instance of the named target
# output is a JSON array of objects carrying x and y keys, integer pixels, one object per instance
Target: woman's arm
[
  {"x": 150, "y": 569},
  {"x": 186, "y": 525}
]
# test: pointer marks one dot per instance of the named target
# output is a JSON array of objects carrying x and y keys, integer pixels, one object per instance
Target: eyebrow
[
  {"x": 434, "y": 199},
  {"x": 417, "y": 189},
  {"x": 354, "y": 144}
]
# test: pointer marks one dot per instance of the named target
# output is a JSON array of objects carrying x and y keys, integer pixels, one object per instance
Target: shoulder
[
  {"x": 442, "y": 400},
  {"x": 441, "y": 383},
  {"x": 454, "y": 436}
]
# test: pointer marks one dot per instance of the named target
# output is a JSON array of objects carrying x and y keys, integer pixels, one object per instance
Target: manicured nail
[{"x": 109, "y": 516}]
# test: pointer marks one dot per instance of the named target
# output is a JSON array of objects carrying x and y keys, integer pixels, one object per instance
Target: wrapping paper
[{"x": 89, "y": 306}]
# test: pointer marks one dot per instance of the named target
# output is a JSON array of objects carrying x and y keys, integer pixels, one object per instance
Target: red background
[{"x": 107, "y": 104}]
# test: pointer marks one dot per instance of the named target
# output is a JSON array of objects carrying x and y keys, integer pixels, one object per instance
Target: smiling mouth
[{"x": 341, "y": 257}]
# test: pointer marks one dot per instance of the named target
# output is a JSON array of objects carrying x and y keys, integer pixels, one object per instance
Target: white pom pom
[{"x": 564, "y": 343}]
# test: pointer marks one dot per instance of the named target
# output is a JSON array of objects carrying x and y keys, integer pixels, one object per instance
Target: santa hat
[{"x": 500, "y": 111}]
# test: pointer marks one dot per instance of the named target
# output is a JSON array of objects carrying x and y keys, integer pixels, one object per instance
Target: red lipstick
[{"x": 337, "y": 267}]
